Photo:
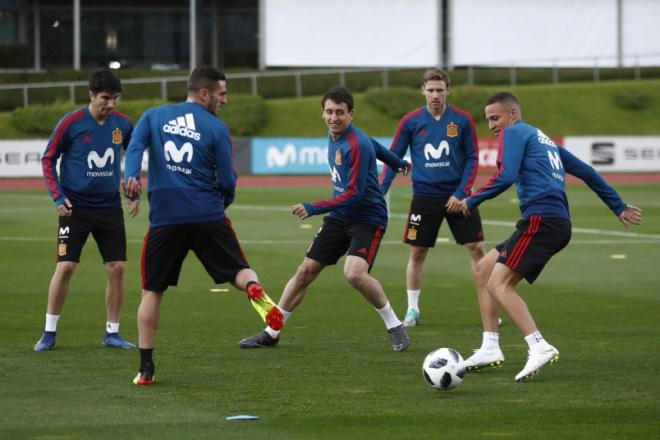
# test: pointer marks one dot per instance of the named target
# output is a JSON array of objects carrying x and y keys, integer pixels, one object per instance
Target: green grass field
[{"x": 333, "y": 375}]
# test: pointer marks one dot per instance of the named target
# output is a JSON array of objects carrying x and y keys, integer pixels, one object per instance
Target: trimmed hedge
[
  {"x": 397, "y": 101},
  {"x": 394, "y": 101},
  {"x": 245, "y": 114},
  {"x": 41, "y": 119}
]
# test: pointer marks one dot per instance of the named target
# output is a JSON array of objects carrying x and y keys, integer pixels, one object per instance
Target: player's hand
[
  {"x": 463, "y": 208},
  {"x": 133, "y": 207},
  {"x": 299, "y": 211},
  {"x": 65, "y": 209},
  {"x": 453, "y": 205},
  {"x": 632, "y": 215},
  {"x": 132, "y": 189},
  {"x": 406, "y": 170}
]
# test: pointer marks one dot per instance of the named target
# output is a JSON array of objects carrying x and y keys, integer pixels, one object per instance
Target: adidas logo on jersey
[{"x": 183, "y": 126}]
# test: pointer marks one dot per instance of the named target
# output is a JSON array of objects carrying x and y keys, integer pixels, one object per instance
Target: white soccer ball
[{"x": 443, "y": 369}]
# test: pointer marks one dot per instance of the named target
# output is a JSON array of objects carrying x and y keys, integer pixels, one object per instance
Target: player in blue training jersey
[
  {"x": 354, "y": 226},
  {"x": 191, "y": 183},
  {"x": 444, "y": 151},
  {"x": 88, "y": 142},
  {"x": 538, "y": 167}
]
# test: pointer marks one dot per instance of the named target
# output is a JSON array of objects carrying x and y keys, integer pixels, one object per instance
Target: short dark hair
[
  {"x": 435, "y": 75},
  {"x": 104, "y": 80},
  {"x": 338, "y": 94},
  {"x": 506, "y": 98},
  {"x": 204, "y": 77}
]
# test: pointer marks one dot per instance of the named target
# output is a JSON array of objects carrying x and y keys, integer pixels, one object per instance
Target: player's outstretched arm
[{"x": 631, "y": 215}]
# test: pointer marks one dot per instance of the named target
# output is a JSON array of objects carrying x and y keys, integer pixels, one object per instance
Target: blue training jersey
[
  {"x": 355, "y": 193},
  {"x": 90, "y": 163},
  {"x": 191, "y": 174},
  {"x": 538, "y": 167},
  {"x": 91, "y": 159},
  {"x": 444, "y": 152}
]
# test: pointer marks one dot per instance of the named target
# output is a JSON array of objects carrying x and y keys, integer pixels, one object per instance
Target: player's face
[
  {"x": 435, "y": 92},
  {"x": 499, "y": 117},
  {"x": 336, "y": 117},
  {"x": 103, "y": 103},
  {"x": 217, "y": 97}
]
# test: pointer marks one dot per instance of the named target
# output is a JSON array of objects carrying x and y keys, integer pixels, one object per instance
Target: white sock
[
  {"x": 51, "y": 322},
  {"x": 389, "y": 317},
  {"x": 276, "y": 333},
  {"x": 490, "y": 341},
  {"x": 535, "y": 341},
  {"x": 111, "y": 327},
  {"x": 413, "y": 299}
]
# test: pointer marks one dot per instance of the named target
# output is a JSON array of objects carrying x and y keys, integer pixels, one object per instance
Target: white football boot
[
  {"x": 536, "y": 360},
  {"x": 484, "y": 358}
]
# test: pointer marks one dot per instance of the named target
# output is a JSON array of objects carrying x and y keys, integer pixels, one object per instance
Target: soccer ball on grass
[{"x": 443, "y": 369}]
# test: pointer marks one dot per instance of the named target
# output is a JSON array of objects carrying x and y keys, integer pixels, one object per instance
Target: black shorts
[
  {"x": 338, "y": 237},
  {"x": 535, "y": 241},
  {"x": 426, "y": 215},
  {"x": 165, "y": 247},
  {"x": 105, "y": 225}
]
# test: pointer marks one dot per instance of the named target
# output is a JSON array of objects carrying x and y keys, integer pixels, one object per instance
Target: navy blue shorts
[
  {"x": 165, "y": 247},
  {"x": 426, "y": 216},
  {"x": 535, "y": 241},
  {"x": 106, "y": 226},
  {"x": 338, "y": 237}
]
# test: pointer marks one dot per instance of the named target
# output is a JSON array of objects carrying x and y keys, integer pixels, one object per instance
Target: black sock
[{"x": 146, "y": 359}]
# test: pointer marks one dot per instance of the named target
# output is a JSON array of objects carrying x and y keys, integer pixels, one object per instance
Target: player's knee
[
  {"x": 66, "y": 269},
  {"x": 354, "y": 276},
  {"x": 418, "y": 255},
  {"x": 306, "y": 273},
  {"x": 115, "y": 269},
  {"x": 476, "y": 250}
]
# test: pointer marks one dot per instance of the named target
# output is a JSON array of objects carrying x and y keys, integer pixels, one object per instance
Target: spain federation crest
[
  {"x": 117, "y": 136},
  {"x": 412, "y": 234},
  {"x": 61, "y": 249},
  {"x": 452, "y": 130},
  {"x": 338, "y": 158}
]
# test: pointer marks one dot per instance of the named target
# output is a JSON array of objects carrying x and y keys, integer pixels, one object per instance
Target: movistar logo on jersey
[
  {"x": 100, "y": 161},
  {"x": 431, "y": 152},
  {"x": 183, "y": 126},
  {"x": 335, "y": 175},
  {"x": 177, "y": 155},
  {"x": 96, "y": 161}
]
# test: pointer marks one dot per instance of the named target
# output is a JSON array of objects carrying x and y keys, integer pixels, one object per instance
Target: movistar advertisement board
[{"x": 293, "y": 155}]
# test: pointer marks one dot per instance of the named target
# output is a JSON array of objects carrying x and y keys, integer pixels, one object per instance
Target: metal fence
[{"x": 467, "y": 74}]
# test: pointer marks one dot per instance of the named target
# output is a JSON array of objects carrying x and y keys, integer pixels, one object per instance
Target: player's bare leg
[
  {"x": 293, "y": 294},
  {"x": 114, "y": 297},
  {"x": 502, "y": 285},
  {"x": 489, "y": 354},
  {"x": 59, "y": 286},
  {"x": 414, "y": 276},
  {"x": 148, "y": 317},
  {"x": 57, "y": 293},
  {"x": 356, "y": 271}
]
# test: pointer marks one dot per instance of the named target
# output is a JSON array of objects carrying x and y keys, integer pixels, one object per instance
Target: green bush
[
  {"x": 631, "y": 99},
  {"x": 41, "y": 119},
  {"x": 394, "y": 101},
  {"x": 244, "y": 114},
  {"x": 470, "y": 99},
  {"x": 397, "y": 101}
]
